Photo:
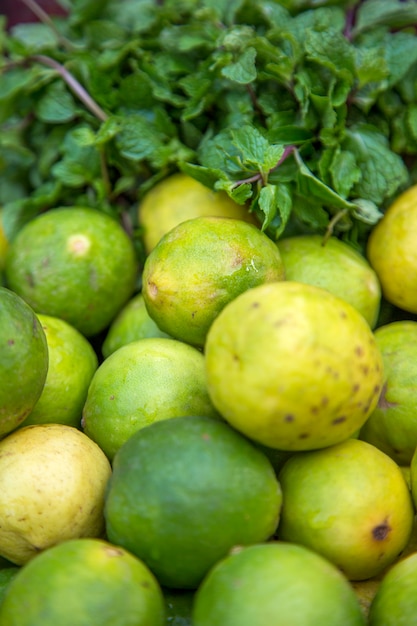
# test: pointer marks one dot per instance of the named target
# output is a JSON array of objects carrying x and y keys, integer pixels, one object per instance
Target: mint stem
[
  {"x": 74, "y": 85},
  {"x": 46, "y": 19}
]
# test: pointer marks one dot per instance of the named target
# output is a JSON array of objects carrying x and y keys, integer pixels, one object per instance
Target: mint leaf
[
  {"x": 243, "y": 70},
  {"x": 57, "y": 105},
  {"x": 275, "y": 202},
  {"x": 392, "y": 13},
  {"x": 383, "y": 171}
]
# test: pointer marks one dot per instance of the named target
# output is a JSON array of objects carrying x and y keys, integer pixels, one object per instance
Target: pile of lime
[{"x": 221, "y": 434}]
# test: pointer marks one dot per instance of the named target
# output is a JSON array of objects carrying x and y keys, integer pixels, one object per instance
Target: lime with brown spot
[
  {"x": 83, "y": 582},
  {"x": 350, "y": 503},
  {"x": 200, "y": 266},
  {"x": 74, "y": 263},
  {"x": 293, "y": 366},
  {"x": 24, "y": 360},
  {"x": 178, "y": 198},
  {"x": 336, "y": 266}
]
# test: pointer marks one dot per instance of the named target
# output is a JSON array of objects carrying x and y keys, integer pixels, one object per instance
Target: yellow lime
[
  {"x": 142, "y": 382},
  {"x": 336, "y": 266},
  {"x": 52, "y": 484},
  {"x": 392, "y": 251},
  {"x": 392, "y": 426},
  {"x": 180, "y": 197},
  {"x": 293, "y": 366},
  {"x": 275, "y": 584},
  {"x": 350, "y": 503},
  {"x": 23, "y": 360},
  {"x": 131, "y": 324},
  {"x": 72, "y": 363},
  {"x": 184, "y": 491},
  {"x": 200, "y": 266},
  {"x": 74, "y": 263},
  {"x": 83, "y": 582}
]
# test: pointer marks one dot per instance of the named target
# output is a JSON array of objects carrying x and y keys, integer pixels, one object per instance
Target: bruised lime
[
  {"x": 293, "y": 366},
  {"x": 184, "y": 491},
  {"x": 83, "y": 582},
  {"x": 74, "y": 263},
  {"x": 200, "y": 266},
  {"x": 24, "y": 360},
  {"x": 178, "y": 198}
]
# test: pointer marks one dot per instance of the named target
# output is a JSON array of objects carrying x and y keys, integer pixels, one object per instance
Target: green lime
[
  {"x": 395, "y": 602},
  {"x": 23, "y": 360},
  {"x": 72, "y": 363},
  {"x": 293, "y": 366},
  {"x": 131, "y": 324},
  {"x": 392, "y": 426},
  {"x": 184, "y": 491},
  {"x": 392, "y": 252},
  {"x": 200, "y": 266},
  {"x": 74, "y": 263},
  {"x": 350, "y": 503},
  {"x": 142, "y": 382},
  {"x": 277, "y": 584},
  {"x": 83, "y": 582},
  {"x": 6, "y": 576},
  {"x": 52, "y": 484},
  {"x": 178, "y": 198},
  {"x": 336, "y": 266}
]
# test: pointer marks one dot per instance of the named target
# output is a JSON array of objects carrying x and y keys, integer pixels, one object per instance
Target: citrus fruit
[
  {"x": 131, "y": 324},
  {"x": 395, "y": 602},
  {"x": 52, "y": 483},
  {"x": 392, "y": 252},
  {"x": 275, "y": 583},
  {"x": 23, "y": 360},
  {"x": 392, "y": 426},
  {"x": 184, "y": 491},
  {"x": 142, "y": 382},
  {"x": 350, "y": 503},
  {"x": 83, "y": 582},
  {"x": 72, "y": 363},
  {"x": 336, "y": 266},
  {"x": 293, "y": 366},
  {"x": 200, "y": 266},
  {"x": 6, "y": 576},
  {"x": 413, "y": 478},
  {"x": 178, "y": 198},
  {"x": 74, "y": 263}
]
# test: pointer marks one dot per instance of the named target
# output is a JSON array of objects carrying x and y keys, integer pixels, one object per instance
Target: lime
[
  {"x": 131, "y": 324},
  {"x": 392, "y": 251},
  {"x": 293, "y": 366},
  {"x": 23, "y": 360},
  {"x": 178, "y": 198},
  {"x": 6, "y": 576},
  {"x": 83, "y": 582},
  {"x": 392, "y": 426},
  {"x": 72, "y": 363},
  {"x": 52, "y": 484},
  {"x": 275, "y": 583},
  {"x": 74, "y": 263},
  {"x": 350, "y": 503},
  {"x": 184, "y": 491},
  {"x": 336, "y": 266},
  {"x": 200, "y": 266},
  {"x": 395, "y": 602},
  {"x": 140, "y": 383}
]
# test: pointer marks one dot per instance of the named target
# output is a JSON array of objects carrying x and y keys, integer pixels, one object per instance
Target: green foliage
[{"x": 307, "y": 111}]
